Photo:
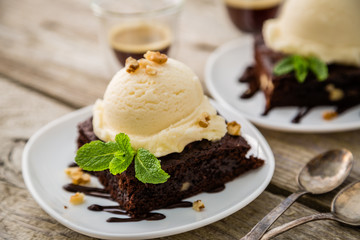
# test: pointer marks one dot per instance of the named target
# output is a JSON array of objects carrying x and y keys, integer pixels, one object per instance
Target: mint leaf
[
  {"x": 284, "y": 66},
  {"x": 148, "y": 168},
  {"x": 319, "y": 68},
  {"x": 96, "y": 155},
  {"x": 124, "y": 144},
  {"x": 301, "y": 68},
  {"x": 119, "y": 164},
  {"x": 124, "y": 156},
  {"x": 117, "y": 157}
]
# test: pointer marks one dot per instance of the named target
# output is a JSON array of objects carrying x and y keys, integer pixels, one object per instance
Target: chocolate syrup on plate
[
  {"x": 148, "y": 217},
  {"x": 182, "y": 204},
  {"x": 216, "y": 190},
  {"x": 102, "y": 193},
  {"x": 301, "y": 113},
  {"x": 91, "y": 191}
]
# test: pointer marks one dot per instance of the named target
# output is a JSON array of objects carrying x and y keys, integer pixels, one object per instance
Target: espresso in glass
[
  {"x": 133, "y": 40},
  {"x": 249, "y": 15}
]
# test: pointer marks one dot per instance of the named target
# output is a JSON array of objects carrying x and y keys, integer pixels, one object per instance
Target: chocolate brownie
[
  {"x": 285, "y": 90},
  {"x": 201, "y": 167}
]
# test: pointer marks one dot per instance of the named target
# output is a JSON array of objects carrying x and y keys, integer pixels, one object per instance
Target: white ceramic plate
[
  {"x": 52, "y": 148},
  {"x": 226, "y": 65}
]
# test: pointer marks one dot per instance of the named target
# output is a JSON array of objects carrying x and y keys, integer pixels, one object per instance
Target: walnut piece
[
  {"x": 77, "y": 198},
  {"x": 266, "y": 83},
  {"x": 204, "y": 120},
  {"x": 77, "y": 175},
  {"x": 143, "y": 62},
  {"x": 149, "y": 70},
  {"x": 329, "y": 115},
  {"x": 335, "y": 94},
  {"x": 72, "y": 170},
  {"x": 81, "y": 179},
  {"x": 233, "y": 128},
  {"x": 131, "y": 65},
  {"x": 156, "y": 57},
  {"x": 198, "y": 205},
  {"x": 185, "y": 186}
]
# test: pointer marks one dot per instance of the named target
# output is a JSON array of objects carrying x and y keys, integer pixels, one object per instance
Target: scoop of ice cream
[
  {"x": 159, "y": 109},
  {"x": 326, "y": 29}
]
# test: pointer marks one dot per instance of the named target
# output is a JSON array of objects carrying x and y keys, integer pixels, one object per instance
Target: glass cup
[
  {"x": 249, "y": 15},
  {"x": 132, "y": 27}
]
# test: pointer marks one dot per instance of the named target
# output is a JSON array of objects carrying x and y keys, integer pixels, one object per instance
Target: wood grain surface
[{"x": 51, "y": 64}]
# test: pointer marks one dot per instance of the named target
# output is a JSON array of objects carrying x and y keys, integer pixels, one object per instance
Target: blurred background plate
[{"x": 223, "y": 69}]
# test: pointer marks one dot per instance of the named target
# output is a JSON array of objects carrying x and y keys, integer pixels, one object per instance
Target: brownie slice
[
  {"x": 201, "y": 167},
  {"x": 285, "y": 90}
]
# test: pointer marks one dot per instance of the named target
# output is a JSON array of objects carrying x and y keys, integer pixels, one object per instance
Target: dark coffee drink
[
  {"x": 249, "y": 15},
  {"x": 135, "y": 40}
]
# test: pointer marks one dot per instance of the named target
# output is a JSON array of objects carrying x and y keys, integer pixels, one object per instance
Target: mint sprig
[
  {"x": 117, "y": 157},
  {"x": 301, "y": 66}
]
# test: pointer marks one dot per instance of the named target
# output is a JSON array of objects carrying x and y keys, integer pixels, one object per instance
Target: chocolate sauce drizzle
[
  {"x": 216, "y": 190},
  {"x": 182, "y": 204},
  {"x": 301, "y": 113},
  {"x": 119, "y": 211},
  {"x": 91, "y": 191},
  {"x": 102, "y": 193},
  {"x": 148, "y": 217}
]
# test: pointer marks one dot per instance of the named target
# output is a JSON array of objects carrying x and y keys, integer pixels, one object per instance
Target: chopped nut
[
  {"x": 65, "y": 207},
  {"x": 264, "y": 80},
  {"x": 155, "y": 57},
  {"x": 143, "y": 62},
  {"x": 203, "y": 124},
  {"x": 206, "y": 116},
  {"x": 77, "y": 199},
  {"x": 85, "y": 178},
  {"x": 77, "y": 175},
  {"x": 233, "y": 128},
  {"x": 329, "y": 115},
  {"x": 80, "y": 179},
  {"x": 198, "y": 205},
  {"x": 72, "y": 170},
  {"x": 204, "y": 120},
  {"x": 150, "y": 70},
  {"x": 131, "y": 64},
  {"x": 336, "y": 94},
  {"x": 185, "y": 186}
]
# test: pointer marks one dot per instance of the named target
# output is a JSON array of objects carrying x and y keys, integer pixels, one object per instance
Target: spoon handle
[
  {"x": 260, "y": 228},
  {"x": 287, "y": 226}
]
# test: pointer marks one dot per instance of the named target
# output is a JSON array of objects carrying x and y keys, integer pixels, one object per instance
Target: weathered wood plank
[
  {"x": 52, "y": 47},
  {"x": 238, "y": 224},
  {"x": 293, "y": 150},
  {"x": 22, "y": 113}
]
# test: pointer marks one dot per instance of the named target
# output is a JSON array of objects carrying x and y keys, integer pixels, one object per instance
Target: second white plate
[{"x": 227, "y": 64}]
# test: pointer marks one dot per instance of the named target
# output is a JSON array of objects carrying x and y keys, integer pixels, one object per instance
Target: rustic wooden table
[{"x": 51, "y": 64}]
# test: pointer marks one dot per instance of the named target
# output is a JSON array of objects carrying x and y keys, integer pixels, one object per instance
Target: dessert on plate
[
  {"x": 172, "y": 144},
  {"x": 309, "y": 56}
]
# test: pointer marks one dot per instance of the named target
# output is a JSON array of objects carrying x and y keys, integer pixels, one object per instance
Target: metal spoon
[
  {"x": 321, "y": 174},
  {"x": 345, "y": 208}
]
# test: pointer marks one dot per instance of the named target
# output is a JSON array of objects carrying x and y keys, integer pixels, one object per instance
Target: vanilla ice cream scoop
[
  {"x": 158, "y": 106},
  {"x": 326, "y": 29}
]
